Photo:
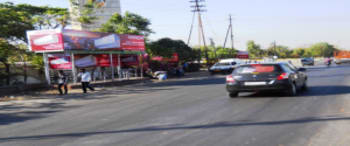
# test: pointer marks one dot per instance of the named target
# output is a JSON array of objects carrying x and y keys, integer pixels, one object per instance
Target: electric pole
[
  {"x": 198, "y": 7},
  {"x": 230, "y": 30},
  {"x": 232, "y": 42}
]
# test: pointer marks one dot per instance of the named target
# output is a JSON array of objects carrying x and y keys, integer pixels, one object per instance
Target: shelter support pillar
[
  {"x": 112, "y": 65},
  {"x": 74, "y": 71},
  {"x": 141, "y": 70},
  {"x": 47, "y": 69},
  {"x": 119, "y": 67}
]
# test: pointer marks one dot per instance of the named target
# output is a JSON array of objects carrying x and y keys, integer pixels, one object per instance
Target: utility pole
[
  {"x": 232, "y": 42},
  {"x": 189, "y": 37},
  {"x": 230, "y": 29},
  {"x": 198, "y": 7}
]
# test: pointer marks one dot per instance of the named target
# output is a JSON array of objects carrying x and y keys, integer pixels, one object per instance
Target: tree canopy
[
  {"x": 322, "y": 49},
  {"x": 15, "y": 20},
  {"x": 254, "y": 50},
  {"x": 166, "y": 47},
  {"x": 130, "y": 23}
]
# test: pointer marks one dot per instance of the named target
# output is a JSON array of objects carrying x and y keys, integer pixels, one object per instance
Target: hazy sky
[{"x": 294, "y": 23}]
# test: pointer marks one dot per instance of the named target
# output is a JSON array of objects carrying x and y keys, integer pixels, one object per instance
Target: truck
[{"x": 342, "y": 57}]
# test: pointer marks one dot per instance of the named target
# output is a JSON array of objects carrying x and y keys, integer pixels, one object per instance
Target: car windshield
[{"x": 257, "y": 68}]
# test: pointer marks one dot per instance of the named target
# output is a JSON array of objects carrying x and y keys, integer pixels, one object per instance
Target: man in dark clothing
[{"x": 62, "y": 81}]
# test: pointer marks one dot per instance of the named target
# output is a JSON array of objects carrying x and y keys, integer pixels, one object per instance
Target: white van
[{"x": 225, "y": 66}]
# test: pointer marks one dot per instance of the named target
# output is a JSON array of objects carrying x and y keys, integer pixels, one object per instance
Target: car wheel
[
  {"x": 233, "y": 94},
  {"x": 292, "y": 91},
  {"x": 304, "y": 87}
]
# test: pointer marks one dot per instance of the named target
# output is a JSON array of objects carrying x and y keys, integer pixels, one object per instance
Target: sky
[{"x": 292, "y": 23}]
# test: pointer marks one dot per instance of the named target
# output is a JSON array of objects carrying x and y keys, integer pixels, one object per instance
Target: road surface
[{"x": 186, "y": 112}]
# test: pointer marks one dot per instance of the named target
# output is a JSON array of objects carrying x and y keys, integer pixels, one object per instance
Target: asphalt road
[{"x": 195, "y": 111}]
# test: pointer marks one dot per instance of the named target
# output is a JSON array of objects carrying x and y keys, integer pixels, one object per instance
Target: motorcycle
[{"x": 329, "y": 63}]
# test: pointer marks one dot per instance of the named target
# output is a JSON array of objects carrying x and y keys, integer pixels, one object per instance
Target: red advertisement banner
[
  {"x": 45, "y": 40},
  {"x": 104, "y": 60},
  {"x": 60, "y": 62},
  {"x": 132, "y": 42},
  {"x": 242, "y": 55},
  {"x": 174, "y": 58}
]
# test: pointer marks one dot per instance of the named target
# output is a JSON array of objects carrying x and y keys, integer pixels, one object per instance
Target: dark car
[
  {"x": 281, "y": 77},
  {"x": 307, "y": 61}
]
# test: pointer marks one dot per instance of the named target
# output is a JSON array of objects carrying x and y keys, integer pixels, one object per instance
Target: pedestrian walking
[
  {"x": 62, "y": 82},
  {"x": 85, "y": 80}
]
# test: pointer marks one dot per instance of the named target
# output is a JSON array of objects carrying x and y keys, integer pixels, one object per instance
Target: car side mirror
[{"x": 302, "y": 69}]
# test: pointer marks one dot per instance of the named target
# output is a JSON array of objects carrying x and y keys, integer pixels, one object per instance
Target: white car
[{"x": 225, "y": 66}]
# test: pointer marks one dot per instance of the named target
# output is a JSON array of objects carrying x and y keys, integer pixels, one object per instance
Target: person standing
[
  {"x": 85, "y": 80},
  {"x": 62, "y": 81}
]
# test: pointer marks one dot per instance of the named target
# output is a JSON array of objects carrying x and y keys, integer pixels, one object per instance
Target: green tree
[
  {"x": 254, "y": 50},
  {"x": 85, "y": 10},
  {"x": 6, "y": 51},
  {"x": 298, "y": 52},
  {"x": 280, "y": 51},
  {"x": 130, "y": 23},
  {"x": 223, "y": 53},
  {"x": 322, "y": 50},
  {"x": 166, "y": 47},
  {"x": 15, "y": 20}
]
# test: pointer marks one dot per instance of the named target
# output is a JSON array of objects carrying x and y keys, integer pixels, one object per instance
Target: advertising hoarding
[
  {"x": 243, "y": 55},
  {"x": 86, "y": 40},
  {"x": 104, "y": 60},
  {"x": 132, "y": 42},
  {"x": 45, "y": 40},
  {"x": 60, "y": 61},
  {"x": 60, "y": 40}
]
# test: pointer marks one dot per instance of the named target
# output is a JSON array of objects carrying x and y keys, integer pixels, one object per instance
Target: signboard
[
  {"x": 130, "y": 60},
  {"x": 104, "y": 60},
  {"x": 86, "y": 40},
  {"x": 243, "y": 55},
  {"x": 45, "y": 40},
  {"x": 66, "y": 39},
  {"x": 132, "y": 42},
  {"x": 60, "y": 61},
  {"x": 174, "y": 58},
  {"x": 86, "y": 61}
]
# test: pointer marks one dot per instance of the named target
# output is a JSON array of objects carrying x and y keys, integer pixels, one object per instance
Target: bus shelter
[{"x": 66, "y": 49}]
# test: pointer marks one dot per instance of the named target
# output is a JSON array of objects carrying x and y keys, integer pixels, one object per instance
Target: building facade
[{"x": 106, "y": 9}]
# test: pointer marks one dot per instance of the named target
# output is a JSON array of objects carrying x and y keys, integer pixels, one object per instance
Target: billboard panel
[
  {"x": 60, "y": 61},
  {"x": 45, "y": 40},
  {"x": 86, "y": 40},
  {"x": 104, "y": 60},
  {"x": 132, "y": 42},
  {"x": 67, "y": 39},
  {"x": 86, "y": 61},
  {"x": 243, "y": 55}
]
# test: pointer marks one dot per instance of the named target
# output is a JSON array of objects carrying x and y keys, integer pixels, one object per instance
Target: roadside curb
[{"x": 45, "y": 90}]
